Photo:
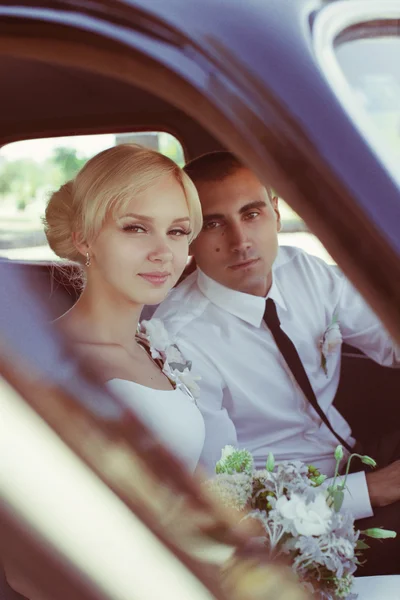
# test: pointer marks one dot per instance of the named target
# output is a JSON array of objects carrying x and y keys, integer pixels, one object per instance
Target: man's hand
[{"x": 384, "y": 485}]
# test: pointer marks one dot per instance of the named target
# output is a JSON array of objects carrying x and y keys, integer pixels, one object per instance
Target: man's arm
[
  {"x": 366, "y": 491},
  {"x": 356, "y": 496},
  {"x": 384, "y": 485},
  {"x": 361, "y": 328},
  {"x": 220, "y": 430}
]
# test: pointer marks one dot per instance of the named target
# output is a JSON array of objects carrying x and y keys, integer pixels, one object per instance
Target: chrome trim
[{"x": 329, "y": 23}]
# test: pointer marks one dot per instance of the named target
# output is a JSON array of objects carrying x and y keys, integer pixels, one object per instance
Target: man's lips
[
  {"x": 155, "y": 277},
  {"x": 244, "y": 264}
]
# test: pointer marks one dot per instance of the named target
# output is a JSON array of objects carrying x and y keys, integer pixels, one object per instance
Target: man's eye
[
  {"x": 211, "y": 225},
  {"x": 134, "y": 229},
  {"x": 252, "y": 215}
]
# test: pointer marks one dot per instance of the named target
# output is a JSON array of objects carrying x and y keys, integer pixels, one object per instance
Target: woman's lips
[{"x": 155, "y": 278}]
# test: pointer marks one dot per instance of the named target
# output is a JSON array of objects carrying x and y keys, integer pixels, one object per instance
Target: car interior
[
  {"x": 70, "y": 101},
  {"x": 41, "y": 98}
]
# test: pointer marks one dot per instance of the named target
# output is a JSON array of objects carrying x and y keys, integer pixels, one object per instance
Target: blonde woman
[{"x": 128, "y": 218}]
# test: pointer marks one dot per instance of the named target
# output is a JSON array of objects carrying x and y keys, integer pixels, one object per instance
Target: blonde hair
[{"x": 103, "y": 186}]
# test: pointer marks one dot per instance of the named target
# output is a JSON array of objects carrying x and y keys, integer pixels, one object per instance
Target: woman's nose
[{"x": 161, "y": 252}]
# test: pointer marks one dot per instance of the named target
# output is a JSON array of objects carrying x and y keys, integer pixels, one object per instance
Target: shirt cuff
[{"x": 356, "y": 496}]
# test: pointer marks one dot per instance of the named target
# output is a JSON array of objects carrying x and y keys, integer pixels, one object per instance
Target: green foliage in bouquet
[
  {"x": 234, "y": 461},
  {"x": 302, "y": 519}
]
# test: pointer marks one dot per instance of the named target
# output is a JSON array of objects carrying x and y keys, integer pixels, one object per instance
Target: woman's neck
[{"x": 99, "y": 317}]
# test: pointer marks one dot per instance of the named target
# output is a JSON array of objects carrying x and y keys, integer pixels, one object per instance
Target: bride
[{"x": 128, "y": 218}]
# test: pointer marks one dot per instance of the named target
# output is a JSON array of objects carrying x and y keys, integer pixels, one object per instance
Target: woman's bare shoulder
[{"x": 107, "y": 361}]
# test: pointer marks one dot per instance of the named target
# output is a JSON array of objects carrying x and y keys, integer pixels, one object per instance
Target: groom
[{"x": 263, "y": 327}]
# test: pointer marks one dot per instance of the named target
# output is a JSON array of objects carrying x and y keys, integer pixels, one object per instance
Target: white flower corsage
[
  {"x": 331, "y": 339},
  {"x": 173, "y": 363},
  {"x": 157, "y": 336}
]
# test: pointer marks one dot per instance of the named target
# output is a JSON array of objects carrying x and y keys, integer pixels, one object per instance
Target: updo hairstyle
[{"x": 105, "y": 184}]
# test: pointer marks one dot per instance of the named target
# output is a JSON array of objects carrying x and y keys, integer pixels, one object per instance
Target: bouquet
[{"x": 300, "y": 520}]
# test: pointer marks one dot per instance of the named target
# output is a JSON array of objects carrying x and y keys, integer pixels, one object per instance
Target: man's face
[{"x": 239, "y": 240}]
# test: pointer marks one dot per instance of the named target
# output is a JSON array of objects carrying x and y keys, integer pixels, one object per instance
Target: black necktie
[{"x": 293, "y": 360}]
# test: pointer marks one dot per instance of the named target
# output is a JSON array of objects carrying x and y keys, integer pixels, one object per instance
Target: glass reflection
[{"x": 371, "y": 66}]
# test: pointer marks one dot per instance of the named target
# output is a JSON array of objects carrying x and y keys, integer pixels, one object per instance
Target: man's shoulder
[
  {"x": 308, "y": 274},
  {"x": 299, "y": 259},
  {"x": 183, "y": 305}
]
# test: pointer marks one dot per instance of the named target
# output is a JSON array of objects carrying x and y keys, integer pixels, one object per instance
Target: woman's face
[{"x": 141, "y": 252}]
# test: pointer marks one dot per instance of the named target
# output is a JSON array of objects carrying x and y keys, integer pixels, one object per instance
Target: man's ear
[
  {"x": 80, "y": 244},
  {"x": 275, "y": 206}
]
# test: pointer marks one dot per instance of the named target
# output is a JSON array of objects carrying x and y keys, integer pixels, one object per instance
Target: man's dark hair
[{"x": 215, "y": 166}]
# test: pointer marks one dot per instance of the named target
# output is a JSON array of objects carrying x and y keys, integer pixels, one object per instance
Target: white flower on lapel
[{"x": 331, "y": 339}]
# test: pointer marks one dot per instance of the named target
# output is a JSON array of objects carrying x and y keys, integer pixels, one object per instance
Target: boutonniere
[
  {"x": 174, "y": 364},
  {"x": 331, "y": 339}
]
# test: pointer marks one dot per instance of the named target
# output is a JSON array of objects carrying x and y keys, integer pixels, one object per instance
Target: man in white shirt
[{"x": 250, "y": 397}]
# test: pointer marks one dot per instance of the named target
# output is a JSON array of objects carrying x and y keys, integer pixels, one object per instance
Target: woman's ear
[{"x": 80, "y": 244}]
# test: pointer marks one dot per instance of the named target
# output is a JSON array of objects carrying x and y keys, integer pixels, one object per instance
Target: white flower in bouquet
[
  {"x": 300, "y": 520},
  {"x": 345, "y": 548},
  {"x": 312, "y": 518},
  {"x": 233, "y": 490}
]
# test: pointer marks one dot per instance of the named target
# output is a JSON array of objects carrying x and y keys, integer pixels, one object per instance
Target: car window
[
  {"x": 371, "y": 65},
  {"x": 294, "y": 232},
  {"x": 359, "y": 52},
  {"x": 31, "y": 170}
]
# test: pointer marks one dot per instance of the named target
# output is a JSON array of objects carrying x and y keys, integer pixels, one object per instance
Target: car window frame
[{"x": 329, "y": 24}]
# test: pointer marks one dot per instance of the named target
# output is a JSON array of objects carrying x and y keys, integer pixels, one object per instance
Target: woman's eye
[
  {"x": 134, "y": 228},
  {"x": 180, "y": 232}
]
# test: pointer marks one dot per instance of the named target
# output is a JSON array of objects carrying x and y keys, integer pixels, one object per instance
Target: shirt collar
[{"x": 247, "y": 307}]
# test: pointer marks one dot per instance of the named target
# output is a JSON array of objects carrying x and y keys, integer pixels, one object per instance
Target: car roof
[{"x": 40, "y": 98}]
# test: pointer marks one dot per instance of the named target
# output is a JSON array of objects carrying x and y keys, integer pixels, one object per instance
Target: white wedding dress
[{"x": 171, "y": 414}]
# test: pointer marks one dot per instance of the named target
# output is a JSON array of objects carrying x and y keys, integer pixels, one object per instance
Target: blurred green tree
[
  {"x": 170, "y": 146},
  {"x": 21, "y": 179},
  {"x": 68, "y": 161}
]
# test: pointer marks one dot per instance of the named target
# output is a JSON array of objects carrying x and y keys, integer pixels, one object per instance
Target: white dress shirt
[{"x": 249, "y": 397}]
